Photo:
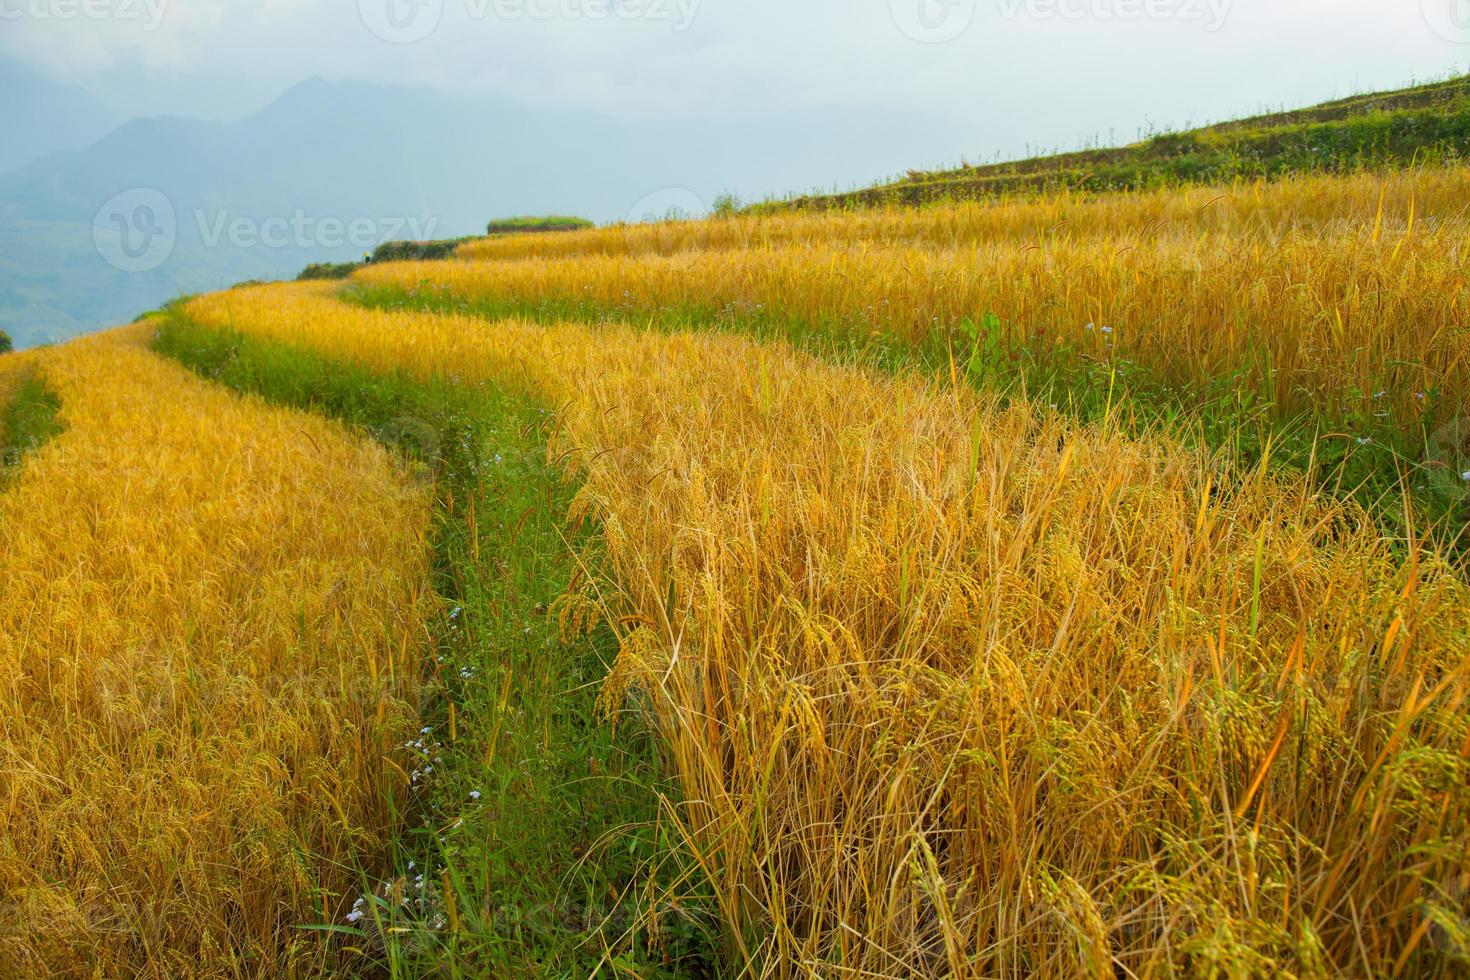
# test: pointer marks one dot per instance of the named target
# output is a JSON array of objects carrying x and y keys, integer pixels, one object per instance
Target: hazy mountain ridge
[
  {"x": 39, "y": 117},
  {"x": 326, "y": 157}
]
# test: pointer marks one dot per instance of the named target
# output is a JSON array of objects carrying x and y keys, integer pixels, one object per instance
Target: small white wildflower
[
  {"x": 1107, "y": 329},
  {"x": 354, "y": 916},
  {"x": 1364, "y": 440},
  {"x": 1465, "y": 476},
  {"x": 474, "y": 794}
]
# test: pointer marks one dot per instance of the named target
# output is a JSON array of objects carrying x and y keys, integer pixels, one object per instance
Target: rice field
[
  {"x": 1369, "y": 201},
  {"x": 952, "y": 688},
  {"x": 1347, "y": 297},
  {"x": 983, "y": 590},
  {"x": 210, "y": 619}
]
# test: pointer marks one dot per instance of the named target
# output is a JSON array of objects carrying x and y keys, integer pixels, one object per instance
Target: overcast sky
[{"x": 989, "y": 76}]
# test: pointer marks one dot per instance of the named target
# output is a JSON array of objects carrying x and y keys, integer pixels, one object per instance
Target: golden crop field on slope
[
  {"x": 1338, "y": 322},
  {"x": 959, "y": 689},
  {"x": 1318, "y": 203},
  {"x": 210, "y": 620}
]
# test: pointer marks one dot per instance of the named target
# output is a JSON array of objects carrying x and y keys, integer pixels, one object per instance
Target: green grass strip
[
  {"x": 26, "y": 423},
  {"x": 533, "y": 844}
]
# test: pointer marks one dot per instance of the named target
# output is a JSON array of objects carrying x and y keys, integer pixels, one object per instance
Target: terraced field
[
  {"x": 1066, "y": 587},
  {"x": 210, "y": 622}
]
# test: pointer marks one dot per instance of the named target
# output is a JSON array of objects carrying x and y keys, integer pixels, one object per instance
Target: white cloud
[{"x": 1070, "y": 65}]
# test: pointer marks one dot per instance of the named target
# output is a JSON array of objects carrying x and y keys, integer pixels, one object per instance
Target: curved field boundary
[
  {"x": 956, "y": 688},
  {"x": 1298, "y": 321},
  {"x": 211, "y": 620},
  {"x": 1318, "y": 325},
  {"x": 532, "y": 844}
]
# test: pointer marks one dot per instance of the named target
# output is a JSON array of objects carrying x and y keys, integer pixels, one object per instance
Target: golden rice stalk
[
  {"x": 209, "y": 615},
  {"x": 1333, "y": 322},
  {"x": 957, "y": 689},
  {"x": 1377, "y": 204}
]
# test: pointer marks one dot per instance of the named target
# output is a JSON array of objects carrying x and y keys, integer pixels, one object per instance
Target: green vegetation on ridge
[
  {"x": 441, "y": 249},
  {"x": 1385, "y": 129},
  {"x": 535, "y": 224}
]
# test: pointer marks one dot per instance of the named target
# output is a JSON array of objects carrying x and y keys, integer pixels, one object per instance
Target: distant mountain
[
  {"x": 39, "y": 117},
  {"x": 165, "y": 206}
]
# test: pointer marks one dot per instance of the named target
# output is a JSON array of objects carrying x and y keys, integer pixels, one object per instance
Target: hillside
[{"x": 1383, "y": 128}]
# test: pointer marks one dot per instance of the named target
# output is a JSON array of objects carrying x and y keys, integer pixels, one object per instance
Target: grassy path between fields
[
  {"x": 27, "y": 419},
  {"x": 532, "y": 841}
]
